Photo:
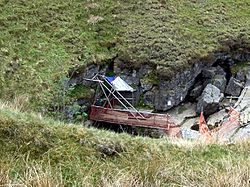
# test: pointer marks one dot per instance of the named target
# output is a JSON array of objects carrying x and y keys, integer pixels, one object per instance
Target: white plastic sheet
[{"x": 121, "y": 85}]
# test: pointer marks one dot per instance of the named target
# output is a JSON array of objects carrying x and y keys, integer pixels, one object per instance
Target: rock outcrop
[
  {"x": 172, "y": 93},
  {"x": 211, "y": 72},
  {"x": 163, "y": 93}
]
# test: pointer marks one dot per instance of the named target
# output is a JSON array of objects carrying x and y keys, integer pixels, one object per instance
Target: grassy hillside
[
  {"x": 41, "y": 152},
  {"x": 40, "y": 40},
  {"x": 172, "y": 34}
]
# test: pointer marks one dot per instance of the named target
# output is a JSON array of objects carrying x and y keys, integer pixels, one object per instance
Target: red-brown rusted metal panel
[{"x": 151, "y": 120}]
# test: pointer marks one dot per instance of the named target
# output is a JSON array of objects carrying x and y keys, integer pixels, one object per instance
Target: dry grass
[
  {"x": 36, "y": 175},
  {"x": 4, "y": 176},
  {"x": 19, "y": 103},
  {"x": 94, "y": 19},
  {"x": 234, "y": 175},
  {"x": 41, "y": 152}
]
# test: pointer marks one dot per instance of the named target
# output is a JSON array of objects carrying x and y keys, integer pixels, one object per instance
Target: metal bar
[
  {"x": 95, "y": 76},
  {"x": 109, "y": 95},
  {"x": 124, "y": 99},
  {"x": 94, "y": 80},
  {"x": 118, "y": 99},
  {"x": 105, "y": 95},
  {"x": 96, "y": 93}
]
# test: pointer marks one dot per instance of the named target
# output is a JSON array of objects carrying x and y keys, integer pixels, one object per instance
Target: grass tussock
[{"x": 42, "y": 152}]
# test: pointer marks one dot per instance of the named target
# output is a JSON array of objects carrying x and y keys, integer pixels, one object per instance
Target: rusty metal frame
[{"x": 129, "y": 115}]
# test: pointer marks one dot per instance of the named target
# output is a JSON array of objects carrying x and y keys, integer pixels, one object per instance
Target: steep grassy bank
[
  {"x": 41, "y": 40},
  {"x": 42, "y": 152}
]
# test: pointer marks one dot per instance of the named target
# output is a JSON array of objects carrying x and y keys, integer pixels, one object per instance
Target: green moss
[
  {"x": 80, "y": 91},
  {"x": 240, "y": 67},
  {"x": 141, "y": 104},
  {"x": 110, "y": 73},
  {"x": 151, "y": 79}
]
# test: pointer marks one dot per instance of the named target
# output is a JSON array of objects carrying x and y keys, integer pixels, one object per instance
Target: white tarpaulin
[{"x": 119, "y": 84}]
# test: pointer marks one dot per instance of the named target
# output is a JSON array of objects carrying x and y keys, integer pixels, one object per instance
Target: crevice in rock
[{"x": 226, "y": 66}]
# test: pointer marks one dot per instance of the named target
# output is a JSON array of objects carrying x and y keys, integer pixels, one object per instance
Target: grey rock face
[
  {"x": 210, "y": 72},
  {"x": 144, "y": 70},
  {"x": 242, "y": 57},
  {"x": 171, "y": 93},
  {"x": 131, "y": 77},
  {"x": 209, "y": 100},
  {"x": 224, "y": 58},
  {"x": 88, "y": 72},
  {"x": 220, "y": 82},
  {"x": 216, "y": 118},
  {"x": 243, "y": 133},
  {"x": 234, "y": 87},
  {"x": 215, "y": 76},
  {"x": 149, "y": 97},
  {"x": 240, "y": 76},
  {"x": 187, "y": 133}
]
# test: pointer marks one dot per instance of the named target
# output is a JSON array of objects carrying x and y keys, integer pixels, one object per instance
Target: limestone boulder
[
  {"x": 190, "y": 134},
  {"x": 209, "y": 100},
  {"x": 220, "y": 82},
  {"x": 173, "y": 92}
]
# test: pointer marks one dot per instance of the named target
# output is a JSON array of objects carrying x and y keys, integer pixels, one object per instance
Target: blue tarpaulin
[{"x": 110, "y": 79}]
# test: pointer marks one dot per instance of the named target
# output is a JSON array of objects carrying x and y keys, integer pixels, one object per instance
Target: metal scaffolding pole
[{"x": 123, "y": 99}]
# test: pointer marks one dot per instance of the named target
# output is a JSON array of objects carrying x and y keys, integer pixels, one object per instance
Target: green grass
[
  {"x": 173, "y": 34},
  {"x": 38, "y": 151},
  {"x": 41, "y": 40},
  {"x": 240, "y": 67}
]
